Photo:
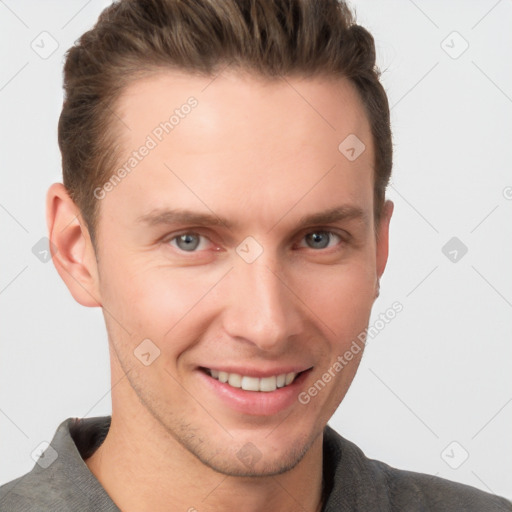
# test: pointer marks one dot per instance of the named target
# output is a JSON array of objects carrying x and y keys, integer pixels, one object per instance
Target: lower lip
[{"x": 256, "y": 403}]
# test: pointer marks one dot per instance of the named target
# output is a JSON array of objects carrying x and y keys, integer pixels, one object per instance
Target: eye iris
[
  {"x": 319, "y": 239},
  {"x": 187, "y": 242}
]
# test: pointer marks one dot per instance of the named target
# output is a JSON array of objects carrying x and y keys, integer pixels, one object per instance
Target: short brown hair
[{"x": 273, "y": 38}]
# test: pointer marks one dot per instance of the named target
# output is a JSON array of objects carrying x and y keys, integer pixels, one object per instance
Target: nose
[{"x": 261, "y": 308}]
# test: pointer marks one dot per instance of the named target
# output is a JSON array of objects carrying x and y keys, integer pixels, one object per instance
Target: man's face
[{"x": 243, "y": 243}]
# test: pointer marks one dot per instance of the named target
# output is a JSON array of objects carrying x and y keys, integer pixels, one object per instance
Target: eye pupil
[
  {"x": 318, "y": 239},
  {"x": 187, "y": 242}
]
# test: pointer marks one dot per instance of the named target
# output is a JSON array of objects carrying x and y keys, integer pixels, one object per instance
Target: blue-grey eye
[
  {"x": 187, "y": 241},
  {"x": 319, "y": 239}
]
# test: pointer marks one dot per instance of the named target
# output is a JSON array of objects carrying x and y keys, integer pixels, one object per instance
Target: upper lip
[{"x": 260, "y": 373}]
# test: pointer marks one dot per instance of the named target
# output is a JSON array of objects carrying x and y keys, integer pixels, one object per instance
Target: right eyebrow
[{"x": 168, "y": 216}]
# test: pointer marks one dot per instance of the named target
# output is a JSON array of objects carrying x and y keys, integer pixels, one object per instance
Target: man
[{"x": 225, "y": 166}]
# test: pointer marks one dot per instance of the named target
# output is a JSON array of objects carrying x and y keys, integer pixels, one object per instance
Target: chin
[
  {"x": 248, "y": 461},
  {"x": 231, "y": 456}
]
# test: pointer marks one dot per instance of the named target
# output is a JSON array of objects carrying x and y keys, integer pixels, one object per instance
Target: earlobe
[
  {"x": 72, "y": 250},
  {"x": 383, "y": 238}
]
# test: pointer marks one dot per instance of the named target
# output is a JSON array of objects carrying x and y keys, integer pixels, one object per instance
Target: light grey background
[{"x": 439, "y": 373}]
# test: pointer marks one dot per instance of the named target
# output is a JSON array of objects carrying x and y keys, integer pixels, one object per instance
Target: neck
[{"x": 142, "y": 467}]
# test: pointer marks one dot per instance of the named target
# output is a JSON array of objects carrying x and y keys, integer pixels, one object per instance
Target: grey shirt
[{"x": 352, "y": 482}]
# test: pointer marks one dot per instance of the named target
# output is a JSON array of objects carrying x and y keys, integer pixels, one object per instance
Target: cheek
[
  {"x": 153, "y": 302},
  {"x": 340, "y": 296}
]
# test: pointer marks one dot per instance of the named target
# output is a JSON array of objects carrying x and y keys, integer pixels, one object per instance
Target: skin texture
[{"x": 256, "y": 154}]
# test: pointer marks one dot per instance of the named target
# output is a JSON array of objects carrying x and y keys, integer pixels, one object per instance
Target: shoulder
[
  {"x": 27, "y": 494},
  {"x": 60, "y": 480},
  {"x": 374, "y": 485},
  {"x": 439, "y": 494},
  {"x": 33, "y": 491}
]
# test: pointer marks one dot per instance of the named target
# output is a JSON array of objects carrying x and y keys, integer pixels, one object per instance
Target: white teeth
[
  {"x": 268, "y": 384},
  {"x": 289, "y": 378},
  {"x": 235, "y": 380},
  {"x": 250, "y": 383},
  {"x": 247, "y": 383}
]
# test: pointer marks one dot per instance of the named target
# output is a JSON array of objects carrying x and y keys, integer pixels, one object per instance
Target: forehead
[
  {"x": 235, "y": 138},
  {"x": 321, "y": 105}
]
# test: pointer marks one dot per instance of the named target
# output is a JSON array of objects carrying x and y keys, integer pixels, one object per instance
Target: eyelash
[{"x": 342, "y": 239}]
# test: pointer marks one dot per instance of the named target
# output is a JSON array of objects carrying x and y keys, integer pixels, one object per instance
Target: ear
[
  {"x": 71, "y": 247},
  {"x": 382, "y": 230}
]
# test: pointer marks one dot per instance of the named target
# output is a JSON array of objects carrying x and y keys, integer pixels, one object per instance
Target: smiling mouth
[{"x": 248, "y": 383}]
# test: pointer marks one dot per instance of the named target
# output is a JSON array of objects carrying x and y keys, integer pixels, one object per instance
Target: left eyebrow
[{"x": 339, "y": 213}]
